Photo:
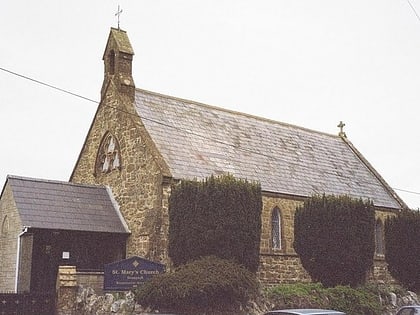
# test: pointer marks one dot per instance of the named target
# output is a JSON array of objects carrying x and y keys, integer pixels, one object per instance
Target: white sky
[{"x": 310, "y": 63}]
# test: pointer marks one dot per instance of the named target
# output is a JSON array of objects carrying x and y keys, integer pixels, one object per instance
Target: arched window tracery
[{"x": 109, "y": 156}]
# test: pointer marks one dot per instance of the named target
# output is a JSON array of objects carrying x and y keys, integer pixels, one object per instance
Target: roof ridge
[
  {"x": 269, "y": 120},
  {"x": 52, "y": 181}
]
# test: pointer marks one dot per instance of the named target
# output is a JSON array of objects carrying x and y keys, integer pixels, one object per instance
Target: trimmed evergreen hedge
[
  {"x": 334, "y": 238},
  {"x": 219, "y": 216},
  {"x": 402, "y": 246}
]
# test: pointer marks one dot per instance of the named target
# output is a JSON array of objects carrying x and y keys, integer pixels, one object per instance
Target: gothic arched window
[
  {"x": 276, "y": 229},
  {"x": 108, "y": 158},
  {"x": 379, "y": 237},
  {"x": 5, "y": 226}
]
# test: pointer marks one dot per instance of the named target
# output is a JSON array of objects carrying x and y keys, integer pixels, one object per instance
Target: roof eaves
[
  {"x": 388, "y": 188},
  {"x": 117, "y": 209}
]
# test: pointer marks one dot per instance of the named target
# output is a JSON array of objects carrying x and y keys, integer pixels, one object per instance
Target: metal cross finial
[
  {"x": 341, "y": 126},
  {"x": 118, "y": 15}
]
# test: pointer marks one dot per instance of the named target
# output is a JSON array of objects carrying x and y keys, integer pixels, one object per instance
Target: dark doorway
[{"x": 85, "y": 250}]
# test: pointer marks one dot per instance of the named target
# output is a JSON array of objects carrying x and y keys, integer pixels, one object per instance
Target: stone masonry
[
  {"x": 10, "y": 228},
  {"x": 137, "y": 184},
  {"x": 66, "y": 291}
]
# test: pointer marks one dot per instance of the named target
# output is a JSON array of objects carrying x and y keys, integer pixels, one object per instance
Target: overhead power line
[
  {"x": 48, "y": 85},
  {"x": 407, "y": 191},
  {"x": 414, "y": 10},
  {"x": 152, "y": 120}
]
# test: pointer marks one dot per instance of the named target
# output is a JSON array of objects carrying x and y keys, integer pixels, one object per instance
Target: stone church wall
[
  {"x": 380, "y": 273},
  {"x": 141, "y": 181},
  {"x": 279, "y": 265},
  {"x": 25, "y": 262},
  {"x": 10, "y": 228},
  {"x": 287, "y": 209},
  {"x": 276, "y": 269},
  {"x": 142, "y": 194},
  {"x": 137, "y": 183},
  {"x": 283, "y": 265}
]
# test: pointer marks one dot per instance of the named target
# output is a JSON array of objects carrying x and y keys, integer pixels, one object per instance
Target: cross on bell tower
[
  {"x": 117, "y": 14},
  {"x": 341, "y": 133}
]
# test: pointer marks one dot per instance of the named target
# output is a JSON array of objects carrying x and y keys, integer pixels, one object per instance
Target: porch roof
[{"x": 61, "y": 205}]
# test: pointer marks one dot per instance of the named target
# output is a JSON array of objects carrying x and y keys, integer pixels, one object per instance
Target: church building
[{"x": 115, "y": 204}]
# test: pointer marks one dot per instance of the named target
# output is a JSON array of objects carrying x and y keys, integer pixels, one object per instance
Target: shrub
[
  {"x": 297, "y": 295},
  {"x": 402, "y": 246},
  {"x": 313, "y": 295},
  {"x": 207, "y": 284},
  {"x": 334, "y": 238},
  {"x": 353, "y": 301},
  {"x": 220, "y": 216}
]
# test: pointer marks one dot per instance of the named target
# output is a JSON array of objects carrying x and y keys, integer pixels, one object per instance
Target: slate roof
[
  {"x": 197, "y": 140},
  {"x": 60, "y": 205}
]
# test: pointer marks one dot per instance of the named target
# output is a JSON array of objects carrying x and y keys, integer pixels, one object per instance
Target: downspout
[{"x": 24, "y": 230}]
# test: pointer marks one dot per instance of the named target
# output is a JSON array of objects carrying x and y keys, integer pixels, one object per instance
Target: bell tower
[{"x": 118, "y": 58}]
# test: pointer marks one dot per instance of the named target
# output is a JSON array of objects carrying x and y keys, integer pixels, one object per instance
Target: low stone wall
[
  {"x": 91, "y": 279},
  {"x": 75, "y": 299},
  {"x": 88, "y": 303},
  {"x": 393, "y": 302},
  {"x": 66, "y": 290}
]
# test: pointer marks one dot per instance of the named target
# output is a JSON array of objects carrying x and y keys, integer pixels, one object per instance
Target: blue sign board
[{"x": 130, "y": 273}]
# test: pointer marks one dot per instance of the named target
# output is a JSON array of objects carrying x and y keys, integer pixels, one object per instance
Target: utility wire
[
  {"x": 414, "y": 10},
  {"x": 192, "y": 133},
  {"x": 48, "y": 85},
  {"x": 407, "y": 191},
  {"x": 159, "y": 122}
]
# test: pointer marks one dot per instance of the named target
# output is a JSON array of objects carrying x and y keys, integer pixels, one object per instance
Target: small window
[
  {"x": 108, "y": 158},
  {"x": 276, "y": 229},
  {"x": 379, "y": 237},
  {"x": 111, "y": 62},
  {"x": 5, "y": 226}
]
